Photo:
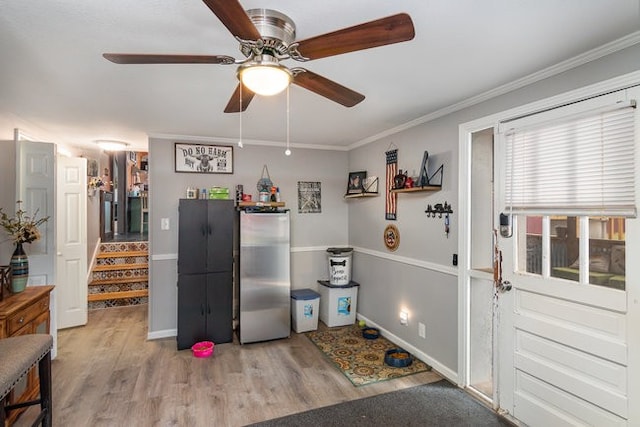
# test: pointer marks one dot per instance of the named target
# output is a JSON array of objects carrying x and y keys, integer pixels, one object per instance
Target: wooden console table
[{"x": 21, "y": 314}]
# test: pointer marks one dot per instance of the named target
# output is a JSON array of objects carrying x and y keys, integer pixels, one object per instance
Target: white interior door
[
  {"x": 35, "y": 186},
  {"x": 71, "y": 259},
  {"x": 35, "y": 182}
]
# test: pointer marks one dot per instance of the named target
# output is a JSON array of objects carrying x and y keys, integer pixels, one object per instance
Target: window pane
[
  {"x": 534, "y": 244},
  {"x": 607, "y": 263},
  {"x": 564, "y": 248},
  {"x": 606, "y": 249},
  {"x": 562, "y": 227}
]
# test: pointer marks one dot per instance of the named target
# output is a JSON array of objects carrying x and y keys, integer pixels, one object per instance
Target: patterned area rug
[{"x": 361, "y": 360}]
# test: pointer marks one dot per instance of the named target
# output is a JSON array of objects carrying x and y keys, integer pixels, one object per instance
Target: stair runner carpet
[{"x": 120, "y": 276}]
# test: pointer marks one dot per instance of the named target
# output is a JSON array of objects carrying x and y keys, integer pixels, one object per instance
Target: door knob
[{"x": 505, "y": 286}]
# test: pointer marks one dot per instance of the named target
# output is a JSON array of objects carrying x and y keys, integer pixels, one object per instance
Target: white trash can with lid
[
  {"x": 305, "y": 308},
  {"x": 339, "y": 265}
]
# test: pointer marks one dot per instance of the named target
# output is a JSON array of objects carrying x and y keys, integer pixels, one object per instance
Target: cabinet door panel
[
  {"x": 221, "y": 215},
  {"x": 192, "y": 238},
  {"x": 219, "y": 304},
  {"x": 191, "y": 309}
]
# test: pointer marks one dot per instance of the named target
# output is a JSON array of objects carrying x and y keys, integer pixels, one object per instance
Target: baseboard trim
[
  {"x": 166, "y": 333},
  {"x": 434, "y": 363}
]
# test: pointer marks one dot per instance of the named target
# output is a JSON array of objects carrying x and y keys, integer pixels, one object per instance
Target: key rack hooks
[{"x": 438, "y": 209}]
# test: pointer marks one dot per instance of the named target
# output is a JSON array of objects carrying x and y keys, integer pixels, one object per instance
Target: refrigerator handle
[
  {"x": 202, "y": 309},
  {"x": 208, "y": 309},
  {"x": 203, "y": 230},
  {"x": 210, "y": 229}
]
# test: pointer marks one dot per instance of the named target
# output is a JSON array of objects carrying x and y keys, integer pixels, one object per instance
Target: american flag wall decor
[{"x": 391, "y": 202}]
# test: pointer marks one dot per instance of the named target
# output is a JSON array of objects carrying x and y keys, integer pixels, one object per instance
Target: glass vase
[{"x": 19, "y": 269}]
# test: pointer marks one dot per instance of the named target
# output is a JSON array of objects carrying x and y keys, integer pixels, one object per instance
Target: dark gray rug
[{"x": 435, "y": 404}]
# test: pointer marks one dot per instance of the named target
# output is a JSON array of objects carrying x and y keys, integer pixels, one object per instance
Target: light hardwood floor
[{"x": 107, "y": 374}]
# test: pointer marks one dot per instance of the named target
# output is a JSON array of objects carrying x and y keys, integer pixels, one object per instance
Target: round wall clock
[{"x": 391, "y": 237}]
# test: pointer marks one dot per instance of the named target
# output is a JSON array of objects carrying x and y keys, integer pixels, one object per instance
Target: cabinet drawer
[{"x": 21, "y": 318}]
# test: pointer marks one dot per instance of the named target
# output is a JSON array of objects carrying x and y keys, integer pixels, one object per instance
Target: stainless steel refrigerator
[{"x": 265, "y": 278}]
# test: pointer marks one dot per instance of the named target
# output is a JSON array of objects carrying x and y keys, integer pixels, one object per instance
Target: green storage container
[{"x": 219, "y": 193}]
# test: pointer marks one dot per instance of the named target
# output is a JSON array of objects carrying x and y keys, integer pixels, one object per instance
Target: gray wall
[
  {"x": 419, "y": 275},
  {"x": 311, "y": 234},
  {"x": 7, "y": 194}
]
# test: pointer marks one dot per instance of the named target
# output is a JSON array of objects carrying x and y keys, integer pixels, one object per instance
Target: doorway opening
[
  {"x": 481, "y": 331},
  {"x": 130, "y": 172}
]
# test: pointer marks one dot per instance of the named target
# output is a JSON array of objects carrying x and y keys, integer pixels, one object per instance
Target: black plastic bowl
[
  {"x": 391, "y": 358},
  {"x": 370, "y": 333}
]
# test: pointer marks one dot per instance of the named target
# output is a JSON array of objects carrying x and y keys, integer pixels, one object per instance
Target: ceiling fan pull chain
[
  {"x": 240, "y": 143},
  {"x": 287, "y": 152}
]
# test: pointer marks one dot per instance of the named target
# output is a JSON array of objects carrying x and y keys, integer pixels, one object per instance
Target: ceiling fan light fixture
[
  {"x": 265, "y": 79},
  {"x": 112, "y": 145}
]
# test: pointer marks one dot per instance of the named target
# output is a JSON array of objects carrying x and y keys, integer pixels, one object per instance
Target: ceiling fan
[{"x": 267, "y": 37}]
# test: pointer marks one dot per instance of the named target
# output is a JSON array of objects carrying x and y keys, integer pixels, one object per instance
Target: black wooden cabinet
[{"x": 205, "y": 271}]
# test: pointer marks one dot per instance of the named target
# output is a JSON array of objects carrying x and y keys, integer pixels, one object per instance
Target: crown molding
[
  {"x": 245, "y": 142},
  {"x": 584, "y": 58}
]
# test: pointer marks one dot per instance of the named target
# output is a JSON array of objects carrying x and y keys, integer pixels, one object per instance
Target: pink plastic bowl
[{"x": 202, "y": 349}]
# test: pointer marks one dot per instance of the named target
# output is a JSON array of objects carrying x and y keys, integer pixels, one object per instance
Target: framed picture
[
  {"x": 309, "y": 197},
  {"x": 356, "y": 182},
  {"x": 371, "y": 184},
  {"x": 92, "y": 167},
  {"x": 201, "y": 158}
]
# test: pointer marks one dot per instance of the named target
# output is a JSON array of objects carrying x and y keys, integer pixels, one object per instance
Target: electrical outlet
[
  {"x": 455, "y": 259},
  {"x": 164, "y": 224},
  {"x": 422, "y": 330}
]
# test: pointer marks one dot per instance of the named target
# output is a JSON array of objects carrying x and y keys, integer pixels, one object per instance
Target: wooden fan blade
[
  {"x": 392, "y": 29},
  {"x": 327, "y": 88},
  {"x": 135, "y": 58},
  {"x": 232, "y": 15},
  {"x": 233, "y": 106}
]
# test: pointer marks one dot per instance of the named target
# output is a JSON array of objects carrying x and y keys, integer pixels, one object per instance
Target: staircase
[{"x": 120, "y": 276}]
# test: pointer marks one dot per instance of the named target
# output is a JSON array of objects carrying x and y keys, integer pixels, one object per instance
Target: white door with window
[{"x": 567, "y": 346}]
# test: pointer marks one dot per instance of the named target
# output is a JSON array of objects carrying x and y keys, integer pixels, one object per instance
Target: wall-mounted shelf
[
  {"x": 358, "y": 195},
  {"x": 416, "y": 189},
  {"x": 261, "y": 204}
]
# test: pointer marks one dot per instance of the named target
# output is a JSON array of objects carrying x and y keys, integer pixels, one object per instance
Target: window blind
[{"x": 582, "y": 165}]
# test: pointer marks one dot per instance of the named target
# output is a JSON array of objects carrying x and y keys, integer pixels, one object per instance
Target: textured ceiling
[{"x": 52, "y": 74}]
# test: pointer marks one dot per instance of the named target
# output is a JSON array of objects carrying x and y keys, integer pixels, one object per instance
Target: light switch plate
[{"x": 164, "y": 223}]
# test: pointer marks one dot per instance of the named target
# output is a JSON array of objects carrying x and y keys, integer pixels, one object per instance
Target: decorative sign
[
  {"x": 309, "y": 197},
  {"x": 391, "y": 237},
  {"x": 199, "y": 158}
]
